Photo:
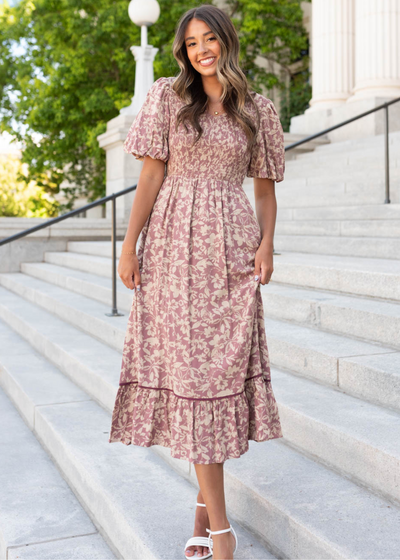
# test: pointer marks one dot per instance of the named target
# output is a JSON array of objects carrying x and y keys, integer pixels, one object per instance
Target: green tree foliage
[
  {"x": 19, "y": 198},
  {"x": 270, "y": 30},
  {"x": 66, "y": 69},
  {"x": 272, "y": 36}
]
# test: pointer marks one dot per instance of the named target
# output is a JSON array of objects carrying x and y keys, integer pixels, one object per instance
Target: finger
[
  {"x": 128, "y": 281},
  {"x": 268, "y": 275},
  {"x": 137, "y": 280}
]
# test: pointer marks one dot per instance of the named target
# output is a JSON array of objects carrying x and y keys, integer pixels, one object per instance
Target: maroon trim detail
[{"x": 190, "y": 398}]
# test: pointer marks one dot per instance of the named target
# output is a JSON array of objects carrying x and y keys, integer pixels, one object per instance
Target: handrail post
[
  {"x": 386, "y": 139},
  {"x": 114, "y": 310}
]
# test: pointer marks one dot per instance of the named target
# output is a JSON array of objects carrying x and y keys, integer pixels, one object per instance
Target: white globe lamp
[{"x": 143, "y": 13}]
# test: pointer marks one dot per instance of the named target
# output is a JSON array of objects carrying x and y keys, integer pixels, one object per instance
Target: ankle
[{"x": 219, "y": 525}]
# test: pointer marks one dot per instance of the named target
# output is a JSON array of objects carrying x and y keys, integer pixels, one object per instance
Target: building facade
[{"x": 355, "y": 66}]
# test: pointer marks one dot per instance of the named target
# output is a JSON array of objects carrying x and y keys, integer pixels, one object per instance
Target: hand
[
  {"x": 263, "y": 262},
  {"x": 128, "y": 271}
]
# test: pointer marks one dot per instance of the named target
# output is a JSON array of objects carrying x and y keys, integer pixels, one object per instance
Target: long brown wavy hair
[{"x": 235, "y": 89}]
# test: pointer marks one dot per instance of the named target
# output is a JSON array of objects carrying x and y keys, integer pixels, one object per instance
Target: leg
[
  {"x": 211, "y": 482},
  {"x": 200, "y": 524}
]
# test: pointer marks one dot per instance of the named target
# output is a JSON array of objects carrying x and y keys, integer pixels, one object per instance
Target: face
[{"x": 202, "y": 47}]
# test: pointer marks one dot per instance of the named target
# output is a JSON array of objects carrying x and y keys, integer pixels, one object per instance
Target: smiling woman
[{"x": 195, "y": 373}]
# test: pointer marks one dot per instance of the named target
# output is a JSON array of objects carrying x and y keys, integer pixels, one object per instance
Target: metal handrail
[
  {"x": 114, "y": 196},
  {"x": 47, "y": 223},
  {"x": 384, "y": 106}
]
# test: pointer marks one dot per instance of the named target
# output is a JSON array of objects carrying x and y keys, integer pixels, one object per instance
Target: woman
[{"x": 195, "y": 371}]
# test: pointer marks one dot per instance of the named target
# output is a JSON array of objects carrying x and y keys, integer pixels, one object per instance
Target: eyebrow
[{"x": 206, "y": 33}]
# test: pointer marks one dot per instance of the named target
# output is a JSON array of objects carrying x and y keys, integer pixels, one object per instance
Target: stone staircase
[
  {"x": 331, "y": 201},
  {"x": 330, "y": 489}
]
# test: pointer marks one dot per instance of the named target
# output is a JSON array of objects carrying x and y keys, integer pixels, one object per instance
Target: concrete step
[
  {"x": 301, "y": 198},
  {"x": 381, "y": 247},
  {"x": 94, "y": 286},
  {"x": 316, "y": 354},
  {"x": 314, "y": 178},
  {"x": 94, "y": 367},
  {"x": 98, "y": 248},
  {"x": 363, "y": 276},
  {"x": 372, "y": 277},
  {"x": 358, "y": 146},
  {"x": 86, "y": 314},
  {"x": 128, "y": 491},
  {"x": 355, "y": 438},
  {"x": 40, "y": 517},
  {"x": 321, "y": 180},
  {"x": 373, "y": 320},
  {"x": 339, "y": 228},
  {"x": 306, "y": 496},
  {"x": 327, "y": 515},
  {"x": 373, "y": 146},
  {"x": 78, "y": 261},
  {"x": 327, "y": 182},
  {"x": 327, "y": 169},
  {"x": 371, "y": 156},
  {"x": 371, "y": 213},
  {"x": 49, "y": 336}
]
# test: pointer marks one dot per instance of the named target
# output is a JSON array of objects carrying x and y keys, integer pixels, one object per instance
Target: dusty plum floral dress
[{"x": 195, "y": 373}]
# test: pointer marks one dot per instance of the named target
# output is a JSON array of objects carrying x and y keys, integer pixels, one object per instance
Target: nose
[{"x": 202, "y": 47}]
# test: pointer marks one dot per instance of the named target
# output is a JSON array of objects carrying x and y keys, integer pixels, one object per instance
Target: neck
[{"x": 212, "y": 87}]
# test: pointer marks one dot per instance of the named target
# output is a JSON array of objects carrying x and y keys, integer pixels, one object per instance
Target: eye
[{"x": 209, "y": 39}]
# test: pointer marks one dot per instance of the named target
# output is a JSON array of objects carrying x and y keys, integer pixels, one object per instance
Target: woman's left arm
[{"x": 266, "y": 208}]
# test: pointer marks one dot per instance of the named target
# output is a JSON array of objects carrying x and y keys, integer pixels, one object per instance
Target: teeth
[{"x": 207, "y": 60}]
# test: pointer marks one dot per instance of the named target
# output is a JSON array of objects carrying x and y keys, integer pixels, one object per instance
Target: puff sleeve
[
  {"x": 148, "y": 134},
  {"x": 268, "y": 155}
]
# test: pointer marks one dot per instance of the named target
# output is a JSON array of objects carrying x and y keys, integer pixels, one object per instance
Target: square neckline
[{"x": 172, "y": 79}]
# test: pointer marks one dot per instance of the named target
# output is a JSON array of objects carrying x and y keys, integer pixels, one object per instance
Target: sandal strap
[
  {"x": 197, "y": 541},
  {"x": 210, "y": 545},
  {"x": 219, "y": 532},
  {"x": 202, "y": 505}
]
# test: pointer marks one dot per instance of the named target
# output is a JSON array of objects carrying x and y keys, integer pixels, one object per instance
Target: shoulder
[
  {"x": 264, "y": 104},
  {"x": 161, "y": 87}
]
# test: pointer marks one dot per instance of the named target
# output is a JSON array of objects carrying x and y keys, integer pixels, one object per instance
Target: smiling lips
[{"x": 207, "y": 61}]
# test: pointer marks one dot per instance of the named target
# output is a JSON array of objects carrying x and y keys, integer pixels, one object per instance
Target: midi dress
[{"x": 195, "y": 373}]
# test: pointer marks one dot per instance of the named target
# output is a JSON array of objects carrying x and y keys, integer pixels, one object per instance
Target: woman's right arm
[{"x": 150, "y": 181}]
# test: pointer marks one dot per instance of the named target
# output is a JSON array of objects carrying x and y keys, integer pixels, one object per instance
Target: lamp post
[
  {"x": 123, "y": 170},
  {"x": 142, "y": 13}
]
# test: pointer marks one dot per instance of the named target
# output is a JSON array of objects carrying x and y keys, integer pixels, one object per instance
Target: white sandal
[
  {"x": 218, "y": 533},
  {"x": 198, "y": 541}
]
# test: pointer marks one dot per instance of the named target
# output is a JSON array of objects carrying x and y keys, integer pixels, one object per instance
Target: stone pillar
[
  {"x": 123, "y": 169},
  {"x": 377, "y": 72},
  {"x": 332, "y": 52}
]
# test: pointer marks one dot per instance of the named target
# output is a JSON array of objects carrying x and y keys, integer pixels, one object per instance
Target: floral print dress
[{"x": 195, "y": 374}]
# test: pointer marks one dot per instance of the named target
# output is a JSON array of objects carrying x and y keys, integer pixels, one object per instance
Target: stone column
[
  {"x": 332, "y": 52},
  {"x": 123, "y": 169},
  {"x": 377, "y": 72}
]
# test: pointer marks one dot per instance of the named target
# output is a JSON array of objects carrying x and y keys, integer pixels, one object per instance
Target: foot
[{"x": 201, "y": 523}]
